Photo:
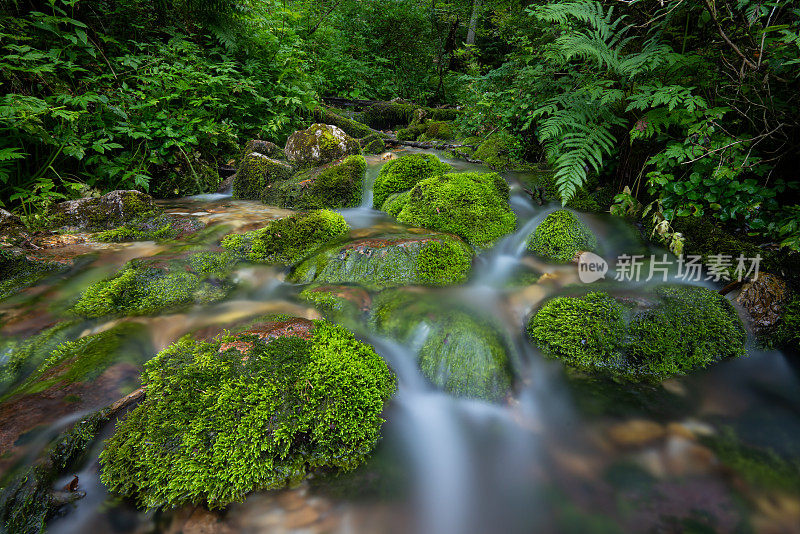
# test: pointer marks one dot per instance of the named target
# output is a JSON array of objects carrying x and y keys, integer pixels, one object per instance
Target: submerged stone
[
  {"x": 257, "y": 171},
  {"x": 110, "y": 210},
  {"x": 252, "y": 411},
  {"x": 459, "y": 351},
  {"x": 684, "y": 328},
  {"x": 468, "y": 204},
  {"x": 320, "y": 144},
  {"x": 163, "y": 282},
  {"x": 19, "y": 270},
  {"x": 389, "y": 259},
  {"x": 403, "y": 173},
  {"x": 157, "y": 228},
  {"x": 560, "y": 237},
  {"x": 334, "y": 185},
  {"x": 289, "y": 239}
]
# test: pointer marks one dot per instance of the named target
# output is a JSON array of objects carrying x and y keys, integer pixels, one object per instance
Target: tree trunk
[{"x": 473, "y": 21}]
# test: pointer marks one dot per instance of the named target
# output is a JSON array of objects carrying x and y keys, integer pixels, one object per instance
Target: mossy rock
[
  {"x": 389, "y": 259},
  {"x": 256, "y": 171},
  {"x": 471, "y": 205},
  {"x": 372, "y": 144},
  {"x": 320, "y": 144},
  {"x": 412, "y": 132},
  {"x": 18, "y": 270},
  {"x": 560, "y": 236},
  {"x": 254, "y": 411},
  {"x": 110, "y": 210},
  {"x": 394, "y": 203},
  {"x": 428, "y": 130},
  {"x": 383, "y": 115},
  {"x": 159, "y": 228},
  {"x": 351, "y": 127},
  {"x": 342, "y": 304},
  {"x": 335, "y": 185},
  {"x": 403, "y": 173},
  {"x": 683, "y": 329},
  {"x": 497, "y": 151},
  {"x": 288, "y": 240},
  {"x": 266, "y": 148},
  {"x": 462, "y": 353},
  {"x": 163, "y": 282}
]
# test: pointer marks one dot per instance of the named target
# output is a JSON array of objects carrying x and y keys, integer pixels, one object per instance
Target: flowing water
[{"x": 561, "y": 454}]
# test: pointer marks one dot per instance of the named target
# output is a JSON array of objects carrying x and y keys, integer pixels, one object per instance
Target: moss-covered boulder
[
  {"x": 497, "y": 151},
  {"x": 320, "y": 144},
  {"x": 383, "y": 115},
  {"x": 560, "y": 236},
  {"x": 389, "y": 259},
  {"x": 107, "y": 211},
  {"x": 468, "y": 204},
  {"x": 335, "y": 185},
  {"x": 403, "y": 173},
  {"x": 163, "y": 282},
  {"x": 428, "y": 130},
  {"x": 267, "y": 148},
  {"x": 462, "y": 352},
  {"x": 288, "y": 240},
  {"x": 681, "y": 329},
  {"x": 257, "y": 171},
  {"x": 254, "y": 411},
  {"x": 353, "y": 128},
  {"x": 159, "y": 228},
  {"x": 19, "y": 270},
  {"x": 372, "y": 144}
]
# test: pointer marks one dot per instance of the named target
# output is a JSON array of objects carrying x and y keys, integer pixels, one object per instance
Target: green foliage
[
  {"x": 787, "y": 333},
  {"x": 560, "y": 236},
  {"x": 150, "y": 286},
  {"x": 463, "y": 353},
  {"x": 686, "y": 328},
  {"x": 336, "y": 185},
  {"x": 215, "y": 426},
  {"x": 403, "y": 173},
  {"x": 290, "y": 239},
  {"x": 470, "y": 205}
]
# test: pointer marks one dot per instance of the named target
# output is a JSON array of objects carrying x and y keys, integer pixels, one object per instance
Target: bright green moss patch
[
  {"x": 146, "y": 287},
  {"x": 256, "y": 171},
  {"x": 290, "y": 239},
  {"x": 394, "y": 203},
  {"x": 460, "y": 352},
  {"x": 158, "y": 228},
  {"x": 336, "y": 185},
  {"x": 215, "y": 426},
  {"x": 389, "y": 260},
  {"x": 427, "y": 130},
  {"x": 372, "y": 144},
  {"x": 471, "y": 205},
  {"x": 685, "y": 328},
  {"x": 351, "y": 127},
  {"x": 497, "y": 151},
  {"x": 403, "y": 173},
  {"x": 560, "y": 236}
]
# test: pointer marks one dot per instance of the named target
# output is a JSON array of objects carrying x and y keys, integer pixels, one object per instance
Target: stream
[{"x": 561, "y": 454}]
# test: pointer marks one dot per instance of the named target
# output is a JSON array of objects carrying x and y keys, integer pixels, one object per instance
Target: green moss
[
  {"x": 266, "y": 148},
  {"x": 389, "y": 260},
  {"x": 372, "y": 144},
  {"x": 439, "y": 130},
  {"x": 336, "y": 185},
  {"x": 462, "y": 353},
  {"x": 215, "y": 426},
  {"x": 388, "y": 114},
  {"x": 471, "y": 205},
  {"x": 343, "y": 305},
  {"x": 394, "y": 203},
  {"x": 351, "y": 127},
  {"x": 585, "y": 332},
  {"x": 257, "y": 171},
  {"x": 162, "y": 227},
  {"x": 762, "y": 468},
  {"x": 412, "y": 132},
  {"x": 497, "y": 151},
  {"x": 146, "y": 287},
  {"x": 787, "y": 332},
  {"x": 18, "y": 271},
  {"x": 110, "y": 210},
  {"x": 290, "y": 239},
  {"x": 405, "y": 172},
  {"x": 560, "y": 236},
  {"x": 685, "y": 329}
]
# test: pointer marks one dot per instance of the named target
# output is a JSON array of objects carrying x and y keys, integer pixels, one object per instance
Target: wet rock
[
  {"x": 198, "y": 520},
  {"x": 636, "y": 432},
  {"x": 19, "y": 270},
  {"x": 159, "y": 228},
  {"x": 256, "y": 171},
  {"x": 289, "y": 239},
  {"x": 344, "y": 305},
  {"x": 334, "y": 185},
  {"x": 10, "y": 223},
  {"x": 471, "y": 205},
  {"x": 681, "y": 329},
  {"x": 110, "y": 210},
  {"x": 302, "y": 396},
  {"x": 458, "y": 350},
  {"x": 320, "y": 144},
  {"x": 764, "y": 299},
  {"x": 389, "y": 259},
  {"x": 561, "y": 237},
  {"x": 268, "y": 148}
]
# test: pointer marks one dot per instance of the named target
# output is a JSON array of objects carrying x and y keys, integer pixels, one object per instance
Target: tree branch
[{"x": 727, "y": 39}]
